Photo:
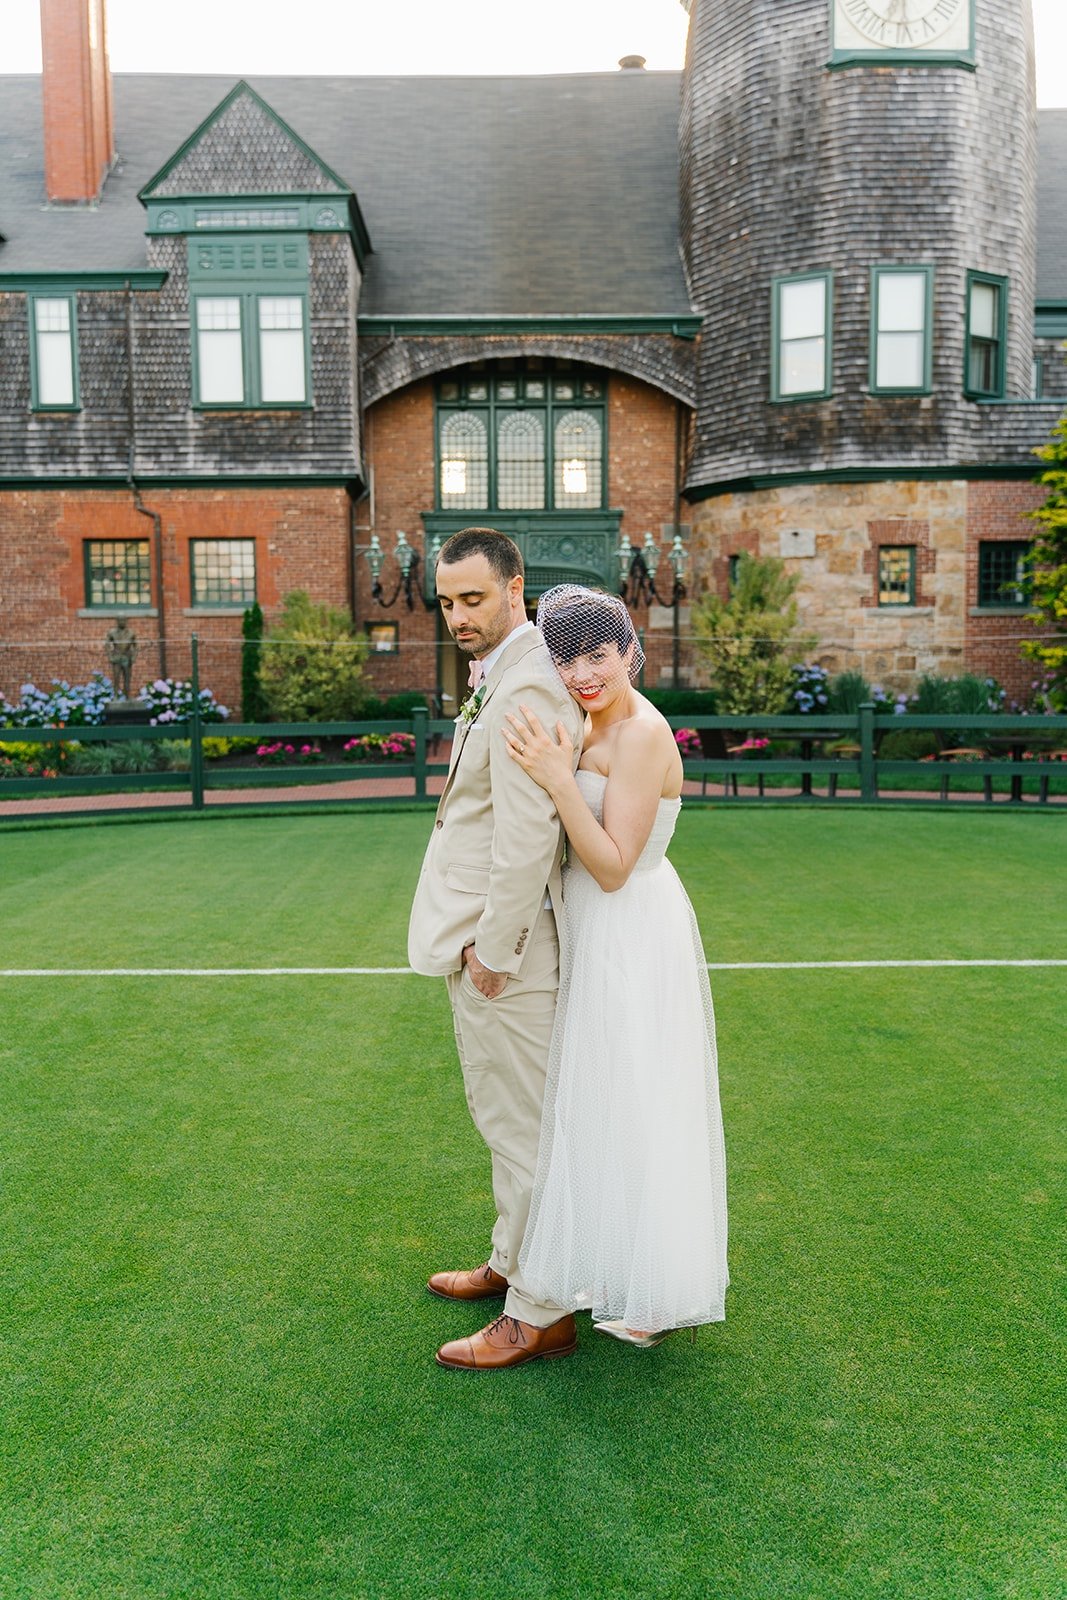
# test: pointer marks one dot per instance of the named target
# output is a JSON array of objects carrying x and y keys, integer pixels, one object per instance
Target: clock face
[{"x": 937, "y": 25}]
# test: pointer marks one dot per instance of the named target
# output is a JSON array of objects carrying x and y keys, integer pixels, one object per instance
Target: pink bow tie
[{"x": 475, "y": 675}]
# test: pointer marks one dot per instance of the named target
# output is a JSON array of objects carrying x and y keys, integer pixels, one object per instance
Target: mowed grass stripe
[
  {"x": 221, "y": 1204},
  {"x": 334, "y": 891}
]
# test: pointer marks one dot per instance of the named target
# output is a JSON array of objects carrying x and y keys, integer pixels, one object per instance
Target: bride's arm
[{"x": 639, "y": 766}]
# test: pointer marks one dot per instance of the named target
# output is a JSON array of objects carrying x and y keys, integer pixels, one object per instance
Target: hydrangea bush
[
  {"x": 171, "y": 700},
  {"x": 64, "y": 705},
  {"x": 809, "y": 690},
  {"x": 82, "y": 705}
]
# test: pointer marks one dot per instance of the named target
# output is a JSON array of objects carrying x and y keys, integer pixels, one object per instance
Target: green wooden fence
[{"x": 816, "y": 759}]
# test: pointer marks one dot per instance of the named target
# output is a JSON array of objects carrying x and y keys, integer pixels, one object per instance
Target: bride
[{"x": 629, "y": 1206}]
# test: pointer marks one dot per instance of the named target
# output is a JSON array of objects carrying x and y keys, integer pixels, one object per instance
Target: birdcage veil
[{"x": 575, "y": 621}]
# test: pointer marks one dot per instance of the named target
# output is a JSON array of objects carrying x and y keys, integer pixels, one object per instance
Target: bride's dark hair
[{"x": 576, "y": 621}]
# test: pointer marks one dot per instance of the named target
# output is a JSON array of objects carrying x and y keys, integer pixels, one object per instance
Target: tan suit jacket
[{"x": 497, "y": 842}]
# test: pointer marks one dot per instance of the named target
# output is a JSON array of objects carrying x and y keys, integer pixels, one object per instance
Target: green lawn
[{"x": 222, "y": 1197}]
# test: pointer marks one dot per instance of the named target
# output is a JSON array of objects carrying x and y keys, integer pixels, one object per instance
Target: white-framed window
[
  {"x": 801, "y": 320},
  {"x": 55, "y": 367},
  {"x": 901, "y": 299}
]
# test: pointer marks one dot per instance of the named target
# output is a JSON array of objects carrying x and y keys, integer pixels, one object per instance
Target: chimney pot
[{"x": 632, "y": 63}]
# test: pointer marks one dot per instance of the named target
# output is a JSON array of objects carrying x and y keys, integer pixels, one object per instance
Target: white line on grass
[{"x": 395, "y": 972}]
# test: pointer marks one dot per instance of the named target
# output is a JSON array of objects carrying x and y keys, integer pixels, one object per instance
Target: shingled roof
[{"x": 482, "y": 196}]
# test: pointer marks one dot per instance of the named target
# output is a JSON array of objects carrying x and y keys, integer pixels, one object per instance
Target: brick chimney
[{"x": 79, "y": 144}]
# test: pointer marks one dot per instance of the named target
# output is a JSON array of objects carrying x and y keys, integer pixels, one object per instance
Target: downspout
[{"x": 138, "y": 503}]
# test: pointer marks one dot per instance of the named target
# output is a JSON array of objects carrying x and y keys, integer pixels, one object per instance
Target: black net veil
[{"x": 574, "y": 621}]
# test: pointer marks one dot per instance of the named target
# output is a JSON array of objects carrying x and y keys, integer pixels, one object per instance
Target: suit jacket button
[{"x": 439, "y": 823}]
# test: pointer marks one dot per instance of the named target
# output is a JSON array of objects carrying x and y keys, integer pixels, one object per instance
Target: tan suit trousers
[{"x": 503, "y": 1050}]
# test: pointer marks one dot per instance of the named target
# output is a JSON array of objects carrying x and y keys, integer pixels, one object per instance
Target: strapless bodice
[{"x": 593, "y": 785}]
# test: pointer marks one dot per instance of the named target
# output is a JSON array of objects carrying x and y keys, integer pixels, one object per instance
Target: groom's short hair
[{"x": 502, "y": 553}]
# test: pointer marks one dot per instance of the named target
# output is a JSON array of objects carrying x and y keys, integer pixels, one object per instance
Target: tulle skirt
[{"x": 628, "y": 1216}]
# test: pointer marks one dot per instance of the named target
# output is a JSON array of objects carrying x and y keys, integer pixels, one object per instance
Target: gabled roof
[
  {"x": 483, "y": 196},
  {"x": 243, "y": 148}
]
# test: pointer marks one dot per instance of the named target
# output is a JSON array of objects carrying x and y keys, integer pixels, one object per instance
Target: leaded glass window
[
  {"x": 896, "y": 575},
  {"x": 526, "y": 439},
  {"x": 117, "y": 573},
  {"x": 578, "y": 460},
  {"x": 1002, "y": 571},
  {"x": 520, "y": 461},
  {"x": 464, "y": 462},
  {"x": 223, "y": 571}
]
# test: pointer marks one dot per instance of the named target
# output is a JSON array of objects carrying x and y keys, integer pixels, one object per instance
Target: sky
[{"x": 252, "y": 38}]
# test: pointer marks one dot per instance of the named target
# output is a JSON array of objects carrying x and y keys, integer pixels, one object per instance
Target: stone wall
[{"x": 829, "y": 536}]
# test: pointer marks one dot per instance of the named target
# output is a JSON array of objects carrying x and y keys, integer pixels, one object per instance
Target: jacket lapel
[{"x": 513, "y": 653}]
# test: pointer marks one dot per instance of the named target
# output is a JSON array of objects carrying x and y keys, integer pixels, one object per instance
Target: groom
[{"x": 483, "y": 919}]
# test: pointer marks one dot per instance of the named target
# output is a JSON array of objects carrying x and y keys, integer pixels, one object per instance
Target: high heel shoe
[{"x": 643, "y": 1341}]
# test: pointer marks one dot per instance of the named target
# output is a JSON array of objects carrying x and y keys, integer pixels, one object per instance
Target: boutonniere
[{"x": 472, "y": 705}]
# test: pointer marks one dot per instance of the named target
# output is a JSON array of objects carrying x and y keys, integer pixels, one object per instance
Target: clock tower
[
  {"x": 857, "y": 204},
  {"x": 896, "y": 30},
  {"x": 858, "y": 219}
]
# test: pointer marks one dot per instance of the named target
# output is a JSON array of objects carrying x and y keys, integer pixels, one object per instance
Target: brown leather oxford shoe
[
  {"x": 507, "y": 1342},
  {"x": 481, "y": 1283}
]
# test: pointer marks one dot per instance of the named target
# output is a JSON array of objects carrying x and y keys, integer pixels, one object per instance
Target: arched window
[
  {"x": 578, "y": 460},
  {"x": 520, "y": 461},
  {"x": 464, "y": 462}
]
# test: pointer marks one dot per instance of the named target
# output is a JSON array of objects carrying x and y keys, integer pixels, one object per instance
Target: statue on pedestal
[{"x": 121, "y": 647}]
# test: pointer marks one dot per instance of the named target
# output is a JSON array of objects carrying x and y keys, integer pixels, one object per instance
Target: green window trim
[
  {"x": 94, "y": 556},
  {"x": 888, "y": 557},
  {"x": 778, "y": 284},
  {"x": 203, "y": 578},
  {"x": 878, "y": 274},
  {"x": 997, "y": 345},
  {"x": 454, "y": 398},
  {"x": 249, "y": 298},
  {"x": 35, "y": 305},
  {"x": 1001, "y": 563}
]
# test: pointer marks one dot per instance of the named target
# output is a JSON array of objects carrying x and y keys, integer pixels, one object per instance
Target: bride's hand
[{"x": 548, "y": 762}]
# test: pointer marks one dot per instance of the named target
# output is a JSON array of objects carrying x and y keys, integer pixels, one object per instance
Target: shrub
[
  {"x": 750, "y": 639},
  {"x": 313, "y": 668},
  {"x": 276, "y": 753},
  {"x": 683, "y": 702},
  {"x": 958, "y": 697},
  {"x": 380, "y": 747},
  {"x": 688, "y": 741},
  {"x": 253, "y": 700}
]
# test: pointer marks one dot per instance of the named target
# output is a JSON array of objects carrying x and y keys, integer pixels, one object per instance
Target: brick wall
[
  {"x": 840, "y": 528},
  {"x": 301, "y": 540},
  {"x": 998, "y": 511},
  {"x": 399, "y": 444}
]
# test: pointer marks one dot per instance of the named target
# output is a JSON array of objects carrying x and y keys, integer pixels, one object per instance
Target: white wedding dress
[{"x": 628, "y": 1216}]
